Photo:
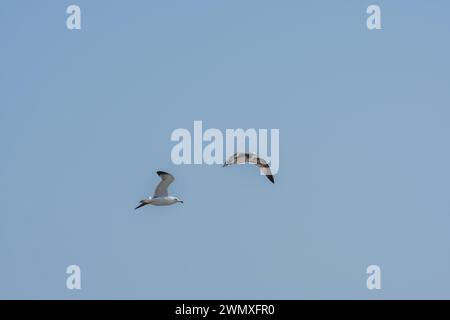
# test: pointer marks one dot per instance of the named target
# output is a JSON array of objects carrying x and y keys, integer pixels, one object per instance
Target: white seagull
[
  {"x": 161, "y": 196},
  {"x": 241, "y": 158}
]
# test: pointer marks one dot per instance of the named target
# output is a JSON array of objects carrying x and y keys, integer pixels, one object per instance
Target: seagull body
[
  {"x": 161, "y": 195},
  {"x": 242, "y": 158}
]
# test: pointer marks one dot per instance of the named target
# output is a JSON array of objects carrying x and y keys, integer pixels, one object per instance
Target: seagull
[
  {"x": 240, "y": 158},
  {"x": 161, "y": 196}
]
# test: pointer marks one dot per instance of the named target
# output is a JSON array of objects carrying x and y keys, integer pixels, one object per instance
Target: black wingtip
[
  {"x": 161, "y": 172},
  {"x": 141, "y": 204},
  {"x": 270, "y": 177}
]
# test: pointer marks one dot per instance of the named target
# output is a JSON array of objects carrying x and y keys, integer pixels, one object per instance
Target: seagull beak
[{"x": 181, "y": 201}]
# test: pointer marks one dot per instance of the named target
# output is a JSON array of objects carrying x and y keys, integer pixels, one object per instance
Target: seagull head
[{"x": 178, "y": 200}]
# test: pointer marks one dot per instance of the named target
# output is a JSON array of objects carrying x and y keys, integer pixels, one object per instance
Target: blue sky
[{"x": 86, "y": 118}]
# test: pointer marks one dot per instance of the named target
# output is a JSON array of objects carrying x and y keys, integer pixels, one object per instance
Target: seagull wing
[
  {"x": 166, "y": 180},
  {"x": 237, "y": 158},
  {"x": 263, "y": 167},
  {"x": 230, "y": 160},
  {"x": 241, "y": 158}
]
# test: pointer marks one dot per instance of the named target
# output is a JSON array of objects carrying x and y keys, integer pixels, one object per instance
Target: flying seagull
[
  {"x": 161, "y": 196},
  {"x": 240, "y": 158}
]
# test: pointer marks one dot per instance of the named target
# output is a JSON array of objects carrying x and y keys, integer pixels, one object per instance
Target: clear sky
[{"x": 86, "y": 118}]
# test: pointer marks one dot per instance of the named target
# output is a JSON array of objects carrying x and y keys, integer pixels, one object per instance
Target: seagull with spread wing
[
  {"x": 241, "y": 158},
  {"x": 161, "y": 195}
]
